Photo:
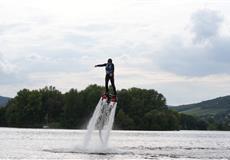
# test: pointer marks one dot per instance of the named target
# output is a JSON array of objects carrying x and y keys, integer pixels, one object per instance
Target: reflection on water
[{"x": 67, "y": 144}]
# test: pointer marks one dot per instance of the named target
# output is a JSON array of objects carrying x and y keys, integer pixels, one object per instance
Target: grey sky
[
  {"x": 180, "y": 48},
  {"x": 206, "y": 24}
]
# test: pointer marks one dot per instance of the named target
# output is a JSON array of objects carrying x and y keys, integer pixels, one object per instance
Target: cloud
[
  {"x": 195, "y": 60},
  {"x": 49, "y": 61},
  {"x": 198, "y": 58},
  {"x": 5, "y": 66},
  {"x": 8, "y": 72},
  {"x": 194, "y": 90},
  {"x": 60, "y": 46},
  {"x": 80, "y": 40},
  {"x": 205, "y": 24}
]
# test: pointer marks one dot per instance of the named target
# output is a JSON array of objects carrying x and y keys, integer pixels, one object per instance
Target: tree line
[{"x": 138, "y": 109}]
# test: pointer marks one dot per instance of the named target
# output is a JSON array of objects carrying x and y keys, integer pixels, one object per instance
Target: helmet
[{"x": 109, "y": 60}]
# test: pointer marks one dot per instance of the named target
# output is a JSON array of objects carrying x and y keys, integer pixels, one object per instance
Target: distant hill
[
  {"x": 220, "y": 105},
  {"x": 3, "y": 101},
  {"x": 216, "y": 112}
]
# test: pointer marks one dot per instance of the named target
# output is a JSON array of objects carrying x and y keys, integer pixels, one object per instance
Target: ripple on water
[{"x": 91, "y": 150}]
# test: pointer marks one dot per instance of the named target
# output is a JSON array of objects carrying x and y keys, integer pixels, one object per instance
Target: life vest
[{"x": 109, "y": 68}]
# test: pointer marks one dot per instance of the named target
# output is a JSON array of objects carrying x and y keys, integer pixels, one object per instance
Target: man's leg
[
  {"x": 106, "y": 84},
  {"x": 113, "y": 85}
]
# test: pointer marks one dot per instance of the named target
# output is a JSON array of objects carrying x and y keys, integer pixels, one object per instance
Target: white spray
[{"x": 102, "y": 119}]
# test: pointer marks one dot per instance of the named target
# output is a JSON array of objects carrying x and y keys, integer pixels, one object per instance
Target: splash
[{"x": 100, "y": 125}]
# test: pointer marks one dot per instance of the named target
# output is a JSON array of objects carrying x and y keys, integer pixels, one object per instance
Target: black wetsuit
[{"x": 109, "y": 68}]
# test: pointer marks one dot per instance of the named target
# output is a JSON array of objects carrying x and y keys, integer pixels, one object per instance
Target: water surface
[{"x": 67, "y": 144}]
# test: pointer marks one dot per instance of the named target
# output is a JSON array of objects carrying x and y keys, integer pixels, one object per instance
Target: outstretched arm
[{"x": 100, "y": 65}]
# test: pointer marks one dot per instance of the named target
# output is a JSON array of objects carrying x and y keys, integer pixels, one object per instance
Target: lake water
[{"x": 67, "y": 144}]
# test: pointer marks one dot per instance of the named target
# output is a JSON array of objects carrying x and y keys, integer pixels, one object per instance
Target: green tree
[
  {"x": 137, "y": 102},
  {"x": 25, "y": 109},
  {"x": 138, "y": 109},
  {"x": 123, "y": 121},
  {"x": 52, "y": 103},
  {"x": 72, "y": 107},
  {"x": 189, "y": 122},
  {"x": 3, "y": 122}
]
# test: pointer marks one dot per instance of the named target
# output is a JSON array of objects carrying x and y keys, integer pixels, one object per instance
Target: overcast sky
[{"x": 180, "y": 48}]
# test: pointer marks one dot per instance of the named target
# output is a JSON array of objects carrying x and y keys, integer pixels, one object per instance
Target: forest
[{"x": 138, "y": 109}]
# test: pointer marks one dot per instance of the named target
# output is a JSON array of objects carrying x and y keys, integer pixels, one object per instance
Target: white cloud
[
  {"x": 5, "y": 66},
  {"x": 198, "y": 58},
  {"x": 8, "y": 72},
  {"x": 58, "y": 43},
  {"x": 206, "y": 24}
]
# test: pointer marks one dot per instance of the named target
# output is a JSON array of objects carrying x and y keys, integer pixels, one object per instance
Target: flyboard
[{"x": 102, "y": 119}]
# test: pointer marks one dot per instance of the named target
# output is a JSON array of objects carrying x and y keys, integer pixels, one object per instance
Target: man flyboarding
[
  {"x": 109, "y": 68},
  {"x": 106, "y": 108}
]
